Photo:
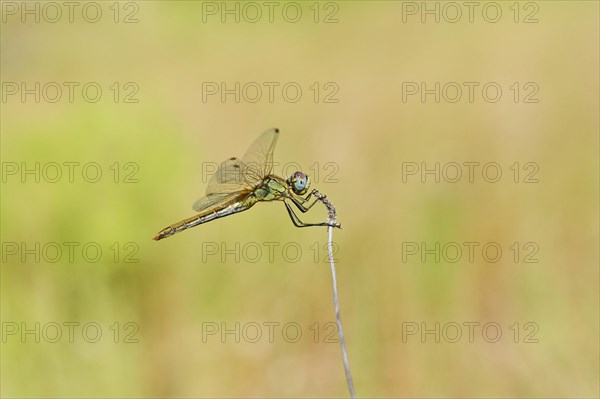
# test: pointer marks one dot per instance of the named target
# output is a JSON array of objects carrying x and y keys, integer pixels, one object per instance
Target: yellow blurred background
[{"x": 367, "y": 139}]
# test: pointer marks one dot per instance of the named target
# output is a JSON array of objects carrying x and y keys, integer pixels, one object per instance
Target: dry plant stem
[{"x": 336, "y": 304}]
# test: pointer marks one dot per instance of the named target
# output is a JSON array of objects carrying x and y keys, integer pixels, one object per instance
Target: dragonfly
[{"x": 239, "y": 184}]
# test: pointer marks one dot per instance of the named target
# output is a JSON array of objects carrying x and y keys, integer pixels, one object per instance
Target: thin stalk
[{"x": 336, "y": 303}]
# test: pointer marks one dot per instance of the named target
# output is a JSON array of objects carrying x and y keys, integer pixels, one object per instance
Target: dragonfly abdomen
[{"x": 198, "y": 219}]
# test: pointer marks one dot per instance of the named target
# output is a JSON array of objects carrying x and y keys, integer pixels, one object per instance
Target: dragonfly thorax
[
  {"x": 299, "y": 182},
  {"x": 269, "y": 189}
]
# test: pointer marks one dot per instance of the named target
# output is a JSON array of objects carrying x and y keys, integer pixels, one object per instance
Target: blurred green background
[{"x": 175, "y": 289}]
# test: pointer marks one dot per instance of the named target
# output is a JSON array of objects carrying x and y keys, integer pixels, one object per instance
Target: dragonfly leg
[
  {"x": 299, "y": 202},
  {"x": 302, "y": 199},
  {"x": 299, "y": 223}
]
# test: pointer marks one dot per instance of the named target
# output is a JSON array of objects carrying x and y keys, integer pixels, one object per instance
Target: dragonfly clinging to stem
[{"x": 238, "y": 184}]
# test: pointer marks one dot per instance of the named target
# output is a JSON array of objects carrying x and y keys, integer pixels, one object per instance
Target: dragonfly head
[{"x": 299, "y": 183}]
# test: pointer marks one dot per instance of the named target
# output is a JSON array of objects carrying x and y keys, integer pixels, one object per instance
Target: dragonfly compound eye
[{"x": 300, "y": 183}]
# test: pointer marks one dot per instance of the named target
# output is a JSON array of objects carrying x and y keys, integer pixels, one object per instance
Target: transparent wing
[
  {"x": 229, "y": 178},
  {"x": 258, "y": 160},
  {"x": 216, "y": 201},
  {"x": 236, "y": 175}
]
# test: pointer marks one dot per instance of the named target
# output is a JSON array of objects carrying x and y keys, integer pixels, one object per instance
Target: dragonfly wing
[
  {"x": 258, "y": 160},
  {"x": 216, "y": 201},
  {"x": 236, "y": 174},
  {"x": 229, "y": 178}
]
